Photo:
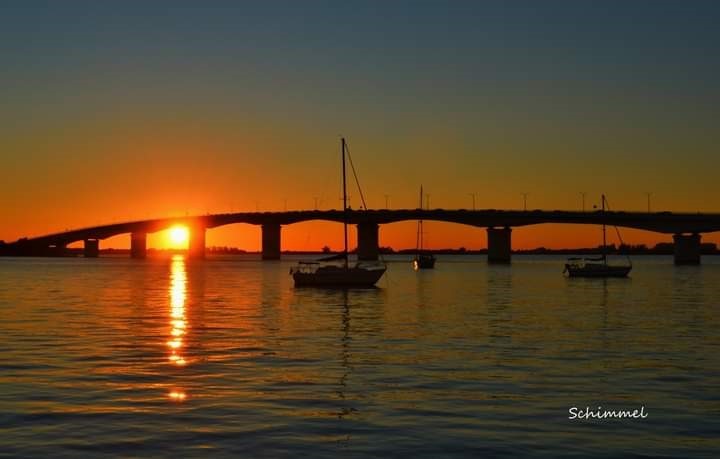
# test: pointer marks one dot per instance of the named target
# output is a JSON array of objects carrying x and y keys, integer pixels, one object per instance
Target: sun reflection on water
[
  {"x": 178, "y": 323},
  {"x": 177, "y": 395}
]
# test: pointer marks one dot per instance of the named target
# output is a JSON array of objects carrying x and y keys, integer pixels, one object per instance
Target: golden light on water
[
  {"x": 178, "y": 294},
  {"x": 178, "y": 322},
  {"x": 177, "y": 395}
]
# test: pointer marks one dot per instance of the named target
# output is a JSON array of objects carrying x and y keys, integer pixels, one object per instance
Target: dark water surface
[{"x": 170, "y": 358}]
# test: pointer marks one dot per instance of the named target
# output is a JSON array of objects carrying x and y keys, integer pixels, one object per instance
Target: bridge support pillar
[
  {"x": 138, "y": 244},
  {"x": 687, "y": 249},
  {"x": 91, "y": 248},
  {"x": 196, "y": 243},
  {"x": 499, "y": 245},
  {"x": 271, "y": 241},
  {"x": 368, "y": 247}
]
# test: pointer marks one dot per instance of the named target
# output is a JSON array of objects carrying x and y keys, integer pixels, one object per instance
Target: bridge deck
[{"x": 662, "y": 222}]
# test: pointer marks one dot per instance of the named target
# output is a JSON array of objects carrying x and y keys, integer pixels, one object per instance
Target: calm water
[{"x": 223, "y": 357}]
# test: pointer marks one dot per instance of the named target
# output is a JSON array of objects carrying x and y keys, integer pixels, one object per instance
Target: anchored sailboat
[
  {"x": 422, "y": 260},
  {"x": 597, "y": 267},
  {"x": 322, "y": 273}
]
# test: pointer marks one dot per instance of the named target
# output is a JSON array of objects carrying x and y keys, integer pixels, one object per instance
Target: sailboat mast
[
  {"x": 420, "y": 225},
  {"x": 345, "y": 209},
  {"x": 604, "y": 245}
]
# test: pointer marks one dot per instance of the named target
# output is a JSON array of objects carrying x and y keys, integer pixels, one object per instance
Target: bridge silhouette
[{"x": 686, "y": 229}]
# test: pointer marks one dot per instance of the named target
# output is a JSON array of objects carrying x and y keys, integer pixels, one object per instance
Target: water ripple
[{"x": 166, "y": 358}]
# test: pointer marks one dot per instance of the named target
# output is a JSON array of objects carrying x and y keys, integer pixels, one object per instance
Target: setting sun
[{"x": 178, "y": 237}]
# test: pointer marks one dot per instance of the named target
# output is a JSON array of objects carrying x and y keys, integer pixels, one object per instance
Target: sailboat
[
  {"x": 598, "y": 266},
  {"x": 422, "y": 260},
  {"x": 324, "y": 273}
]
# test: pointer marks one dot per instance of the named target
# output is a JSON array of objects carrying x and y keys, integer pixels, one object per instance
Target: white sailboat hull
[{"x": 339, "y": 277}]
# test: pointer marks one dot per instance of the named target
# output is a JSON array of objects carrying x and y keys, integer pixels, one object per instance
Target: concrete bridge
[{"x": 686, "y": 229}]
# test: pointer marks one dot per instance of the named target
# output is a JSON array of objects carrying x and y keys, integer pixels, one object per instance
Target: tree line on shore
[{"x": 663, "y": 248}]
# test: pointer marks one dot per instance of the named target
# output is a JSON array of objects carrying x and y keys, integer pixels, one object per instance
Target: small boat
[
  {"x": 318, "y": 274},
  {"x": 597, "y": 266},
  {"x": 422, "y": 260},
  {"x": 335, "y": 270},
  {"x": 594, "y": 267}
]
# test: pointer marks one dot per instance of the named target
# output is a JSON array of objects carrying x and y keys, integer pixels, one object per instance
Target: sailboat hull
[
  {"x": 597, "y": 271},
  {"x": 339, "y": 277}
]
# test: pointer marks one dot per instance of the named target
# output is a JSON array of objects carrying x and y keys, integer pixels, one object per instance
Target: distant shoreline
[{"x": 659, "y": 249}]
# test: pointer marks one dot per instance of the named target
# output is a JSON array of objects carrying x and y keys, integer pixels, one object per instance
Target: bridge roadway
[{"x": 686, "y": 229}]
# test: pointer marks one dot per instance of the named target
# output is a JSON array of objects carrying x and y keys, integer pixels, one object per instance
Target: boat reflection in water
[
  {"x": 178, "y": 322},
  {"x": 350, "y": 330}
]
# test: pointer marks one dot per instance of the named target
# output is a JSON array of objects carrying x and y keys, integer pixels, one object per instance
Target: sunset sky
[{"x": 115, "y": 111}]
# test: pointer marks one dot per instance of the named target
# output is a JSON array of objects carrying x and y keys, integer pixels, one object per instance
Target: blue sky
[{"x": 497, "y": 98}]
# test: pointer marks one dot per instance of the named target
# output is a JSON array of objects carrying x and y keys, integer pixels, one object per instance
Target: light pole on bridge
[
  {"x": 648, "y": 194},
  {"x": 387, "y": 198},
  {"x": 583, "y": 193},
  {"x": 473, "y": 200},
  {"x": 525, "y": 195}
]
